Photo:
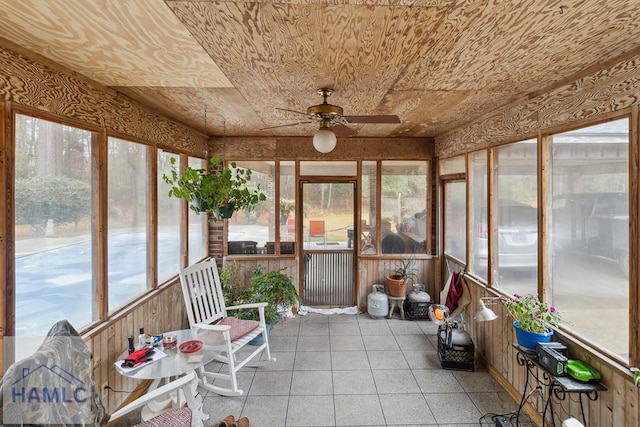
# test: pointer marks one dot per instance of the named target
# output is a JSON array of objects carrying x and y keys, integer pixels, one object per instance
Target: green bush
[
  {"x": 232, "y": 284},
  {"x": 273, "y": 287},
  {"x": 60, "y": 199}
]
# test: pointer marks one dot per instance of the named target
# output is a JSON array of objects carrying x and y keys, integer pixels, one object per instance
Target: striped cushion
[
  {"x": 176, "y": 418},
  {"x": 239, "y": 327}
]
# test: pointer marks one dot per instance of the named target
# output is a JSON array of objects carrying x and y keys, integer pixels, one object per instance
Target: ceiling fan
[{"x": 332, "y": 122}]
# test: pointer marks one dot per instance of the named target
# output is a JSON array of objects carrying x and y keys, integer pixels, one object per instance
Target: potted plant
[
  {"x": 273, "y": 287},
  {"x": 404, "y": 270},
  {"x": 533, "y": 319},
  {"x": 286, "y": 206},
  {"x": 219, "y": 191}
]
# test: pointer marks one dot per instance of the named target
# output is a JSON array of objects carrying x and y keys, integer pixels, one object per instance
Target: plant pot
[
  {"x": 397, "y": 286},
  {"x": 528, "y": 339},
  {"x": 226, "y": 211},
  {"x": 259, "y": 340}
]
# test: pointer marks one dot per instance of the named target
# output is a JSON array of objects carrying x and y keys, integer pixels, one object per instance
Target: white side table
[{"x": 175, "y": 364}]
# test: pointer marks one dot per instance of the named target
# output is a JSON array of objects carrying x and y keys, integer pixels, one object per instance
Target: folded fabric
[
  {"x": 455, "y": 292},
  {"x": 465, "y": 298},
  {"x": 137, "y": 357}
]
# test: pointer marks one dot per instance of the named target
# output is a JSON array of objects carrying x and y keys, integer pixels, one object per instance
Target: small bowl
[{"x": 192, "y": 346}]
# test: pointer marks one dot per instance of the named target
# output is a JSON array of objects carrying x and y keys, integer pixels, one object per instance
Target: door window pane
[
  {"x": 169, "y": 217},
  {"x": 590, "y": 232},
  {"x": 327, "y": 215},
  {"x": 368, "y": 219},
  {"x": 249, "y": 229},
  {"x": 198, "y": 238},
  {"x": 479, "y": 233},
  {"x": 287, "y": 210},
  {"x": 53, "y": 209},
  {"x": 403, "y": 208},
  {"x": 516, "y": 218},
  {"x": 128, "y": 194},
  {"x": 455, "y": 215}
]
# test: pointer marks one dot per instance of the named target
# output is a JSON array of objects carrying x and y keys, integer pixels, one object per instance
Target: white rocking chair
[{"x": 207, "y": 311}]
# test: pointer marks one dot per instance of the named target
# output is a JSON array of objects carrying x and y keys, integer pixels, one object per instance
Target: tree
[{"x": 60, "y": 199}]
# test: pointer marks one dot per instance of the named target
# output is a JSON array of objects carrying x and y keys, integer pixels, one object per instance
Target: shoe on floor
[
  {"x": 227, "y": 422},
  {"x": 242, "y": 422}
]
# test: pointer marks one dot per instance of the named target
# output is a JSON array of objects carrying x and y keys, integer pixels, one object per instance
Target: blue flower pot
[
  {"x": 528, "y": 339},
  {"x": 259, "y": 340}
]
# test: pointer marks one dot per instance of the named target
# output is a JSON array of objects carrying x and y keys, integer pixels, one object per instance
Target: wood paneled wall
[
  {"x": 595, "y": 95},
  {"x": 618, "y": 406},
  {"x": 45, "y": 87},
  {"x": 591, "y": 96},
  {"x": 248, "y": 263},
  {"x": 373, "y": 271},
  {"x": 290, "y": 148}
]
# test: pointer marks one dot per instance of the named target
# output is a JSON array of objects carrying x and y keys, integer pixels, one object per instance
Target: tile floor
[{"x": 352, "y": 370}]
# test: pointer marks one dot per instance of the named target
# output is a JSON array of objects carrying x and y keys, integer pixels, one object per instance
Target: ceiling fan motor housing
[
  {"x": 331, "y": 117},
  {"x": 326, "y": 111}
]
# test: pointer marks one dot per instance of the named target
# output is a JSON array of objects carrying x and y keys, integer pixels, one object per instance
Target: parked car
[
  {"x": 517, "y": 238},
  {"x": 594, "y": 224}
]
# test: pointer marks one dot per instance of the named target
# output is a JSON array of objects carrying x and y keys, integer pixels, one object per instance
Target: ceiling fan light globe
[{"x": 324, "y": 140}]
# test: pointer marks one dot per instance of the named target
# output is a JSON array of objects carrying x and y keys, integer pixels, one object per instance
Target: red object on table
[
  {"x": 190, "y": 346},
  {"x": 137, "y": 357}
]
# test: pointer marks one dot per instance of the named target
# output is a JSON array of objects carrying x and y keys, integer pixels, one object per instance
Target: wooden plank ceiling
[{"x": 437, "y": 64}]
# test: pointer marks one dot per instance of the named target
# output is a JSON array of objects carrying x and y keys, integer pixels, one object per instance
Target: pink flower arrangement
[{"x": 531, "y": 314}]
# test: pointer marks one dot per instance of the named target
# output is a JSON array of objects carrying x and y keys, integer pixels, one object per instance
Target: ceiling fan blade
[
  {"x": 373, "y": 119},
  {"x": 292, "y": 111},
  {"x": 290, "y": 124},
  {"x": 342, "y": 130}
]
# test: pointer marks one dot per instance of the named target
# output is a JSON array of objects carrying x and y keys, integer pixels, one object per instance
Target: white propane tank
[
  {"x": 418, "y": 294},
  {"x": 377, "y": 302}
]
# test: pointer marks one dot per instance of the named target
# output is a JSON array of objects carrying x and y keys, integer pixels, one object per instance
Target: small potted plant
[
  {"x": 533, "y": 319},
  {"x": 404, "y": 270},
  {"x": 219, "y": 191}
]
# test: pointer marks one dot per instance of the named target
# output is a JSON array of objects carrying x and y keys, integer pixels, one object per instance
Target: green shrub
[{"x": 275, "y": 288}]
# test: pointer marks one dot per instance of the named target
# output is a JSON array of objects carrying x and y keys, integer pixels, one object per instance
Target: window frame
[
  {"x": 429, "y": 197},
  {"x": 545, "y": 196},
  {"x": 99, "y": 303},
  {"x": 149, "y": 218}
]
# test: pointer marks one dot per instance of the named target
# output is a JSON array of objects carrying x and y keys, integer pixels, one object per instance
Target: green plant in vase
[{"x": 219, "y": 191}]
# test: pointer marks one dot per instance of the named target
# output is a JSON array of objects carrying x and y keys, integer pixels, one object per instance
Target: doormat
[{"x": 303, "y": 309}]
